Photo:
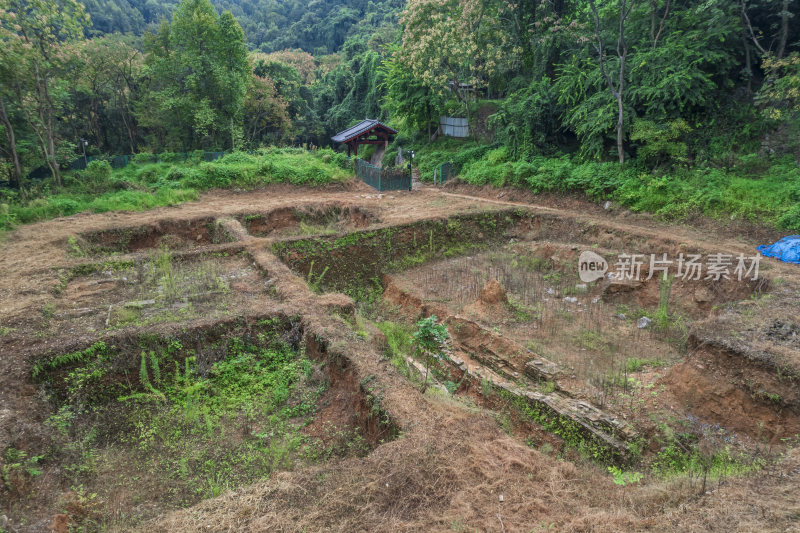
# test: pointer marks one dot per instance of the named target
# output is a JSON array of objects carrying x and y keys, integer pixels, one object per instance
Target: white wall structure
[{"x": 454, "y": 126}]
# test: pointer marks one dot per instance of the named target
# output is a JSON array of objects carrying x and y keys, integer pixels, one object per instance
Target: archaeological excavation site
[{"x": 335, "y": 359}]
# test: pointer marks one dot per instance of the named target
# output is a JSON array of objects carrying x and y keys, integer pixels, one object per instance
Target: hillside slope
[{"x": 269, "y": 25}]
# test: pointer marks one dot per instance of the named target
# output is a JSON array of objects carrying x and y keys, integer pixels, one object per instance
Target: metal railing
[
  {"x": 121, "y": 161},
  {"x": 383, "y": 179},
  {"x": 446, "y": 172}
]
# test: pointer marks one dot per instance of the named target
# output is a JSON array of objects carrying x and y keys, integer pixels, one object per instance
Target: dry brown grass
[
  {"x": 452, "y": 481},
  {"x": 450, "y": 466}
]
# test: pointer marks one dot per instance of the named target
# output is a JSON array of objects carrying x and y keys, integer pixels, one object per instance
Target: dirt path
[
  {"x": 650, "y": 228},
  {"x": 29, "y": 255}
]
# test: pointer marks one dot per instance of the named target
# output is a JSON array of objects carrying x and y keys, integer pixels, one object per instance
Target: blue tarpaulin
[{"x": 786, "y": 249}]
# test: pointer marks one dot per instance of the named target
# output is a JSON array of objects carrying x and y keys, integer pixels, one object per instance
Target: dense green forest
[
  {"x": 317, "y": 27},
  {"x": 667, "y": 106}
]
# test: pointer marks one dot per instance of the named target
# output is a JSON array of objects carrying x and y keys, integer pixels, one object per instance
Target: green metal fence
[
  {"x": 446, "y": 172},
  {"x": 383, "y": 179},
  {"x": 120, "y": 161}
]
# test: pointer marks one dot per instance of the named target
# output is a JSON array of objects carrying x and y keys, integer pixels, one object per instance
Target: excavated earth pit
[
  {"x": 529, "y": 293},
  {"x": 607, "y": 360},
  {"x": 158, "y": 287},
  {"x": 152, "y": 325},
  {"x": 151, "y": 421},
  {"x": 355, "y": 261},
  {"x": 308, "y": 220},
  {"x": 172, "y": 234}
]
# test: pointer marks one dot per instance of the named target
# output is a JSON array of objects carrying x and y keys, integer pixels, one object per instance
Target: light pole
[
  {"x": 410, "y": 172},
  {"x": 84, "y": 144}
]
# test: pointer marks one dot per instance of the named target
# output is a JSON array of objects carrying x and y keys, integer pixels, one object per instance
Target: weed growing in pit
[
  {"x": 361, "y": 326},
  {"x": 547, "y": 387},
  {"x": 663, "y": 318},
  {"x": 315, "y": 282},
  {"x": 165, "y": 273},
  {"x": 623, "y": 477},
  {"x": 569, "y": 430},
  {"x": 121, "y": 316},
  {"x": 48, "y": 311},
  {"x": 523, "y": 312},
  {"x": 399, "y": 343},
  {"x": 197, "y": 430},
  {"x": 74, "y": 247},
  {"x": 702, "y": 461},
  {"x": 98, "y": 350},
  {"x": 593, "y": 340},
  {"x": 702, "y": 453},
  {"x": 553, "y": 277},
  {"x": 306, "y": 229},
  {"x": 536, "y": 264},
  {"x": 16, "y": 466},
  {"x": 451, "y": 386},
  {"x": 486, "y": 387},
  {"x": 634, "y": 364}
]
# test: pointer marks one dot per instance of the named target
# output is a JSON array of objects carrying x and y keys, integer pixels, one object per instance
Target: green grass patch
[
  {"x": 767, "y": 193},
  {"x": 675, "y": 459},
  {"x": 146, "y": 185},
  {"x": 399, "y": 342},
  {"x": 634, "y": 364}
]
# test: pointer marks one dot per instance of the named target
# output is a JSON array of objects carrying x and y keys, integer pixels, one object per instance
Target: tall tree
[
  {"x": 617, "y": 89},
  {"x": 266, "y": 116},
  {"x": 234, "y": 75},
  {"x": 198, "y": 72},
  {"x": 9, "y": 102},
  {"x": 107, "y": 74},
  {"x": 11, "y": 138},
  {"x": 407, "y": 97},
  {"x": 450, "y": 42},
  {"x": 289, "y": 88},
  {"x": 34, "y": 32},
  {"x": 777, "y": 37}
]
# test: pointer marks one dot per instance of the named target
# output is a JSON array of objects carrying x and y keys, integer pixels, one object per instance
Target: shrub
[
  {"x": 99, "y": 188},
  {"x": 790, "y": 220},
  {"x": 430, "y": 341},
  {"x": 180, "y": 173},
  {"x": 144, "y": 158},
  {"x": 326, "y": 155},
  {"x": 97, "y": 171},
  {"x": 660, "y": 142},
  {"x": 672, "y": 194},
  {"x": 238, "y": 158},
  {"x": 170, "y": 157}
]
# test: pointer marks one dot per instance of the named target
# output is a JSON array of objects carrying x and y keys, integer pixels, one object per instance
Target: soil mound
[
  {"x": 493, "y": 294},
  {"x": 492, "y": 300}
]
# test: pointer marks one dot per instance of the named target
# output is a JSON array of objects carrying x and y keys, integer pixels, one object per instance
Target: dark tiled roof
[{"x": 360, "y": 128}]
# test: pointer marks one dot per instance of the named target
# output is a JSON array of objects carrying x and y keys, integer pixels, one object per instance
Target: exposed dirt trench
[{"x": 451, "y": 462}]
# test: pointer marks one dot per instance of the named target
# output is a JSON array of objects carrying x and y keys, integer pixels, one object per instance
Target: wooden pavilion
[{"x": 367, "y": 131}]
